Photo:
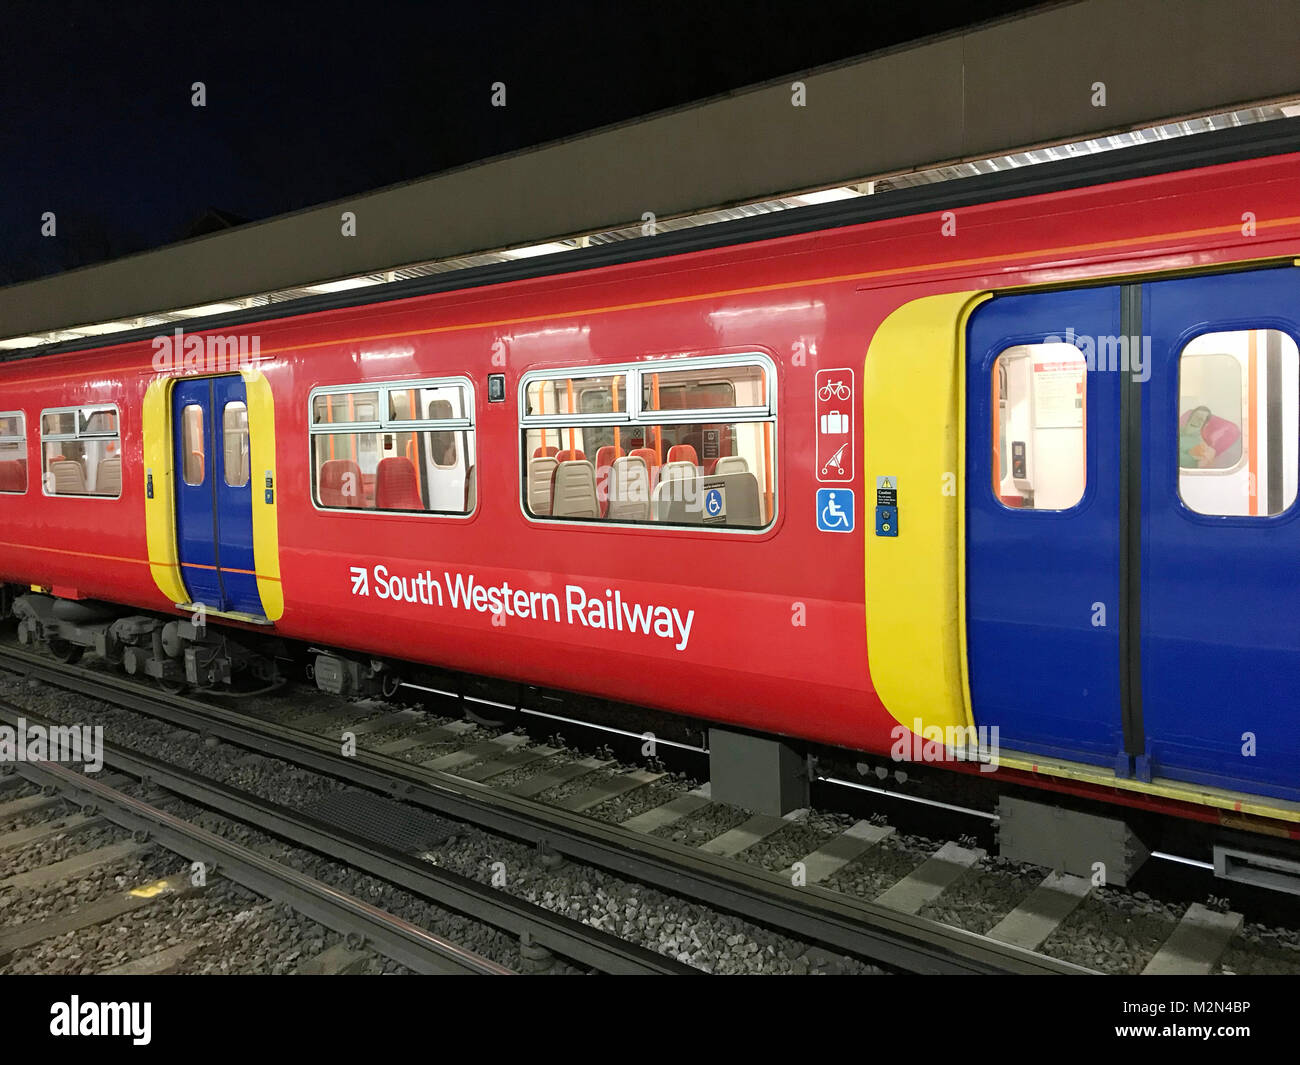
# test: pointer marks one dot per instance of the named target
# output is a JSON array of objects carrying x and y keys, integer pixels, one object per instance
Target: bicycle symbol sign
[{"x": 835, "y": 438}]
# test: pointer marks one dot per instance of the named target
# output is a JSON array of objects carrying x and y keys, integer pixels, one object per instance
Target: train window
[
  {"x": 13, "y": 452},
  {"x": 59, "y": 423},
  {"x": 702, "y": 389},
  {"x": 1039, "y": 446},
  {"x": 697, "y": 447},
  {"x": 98, "y": 422},
  {"x": 443, "y": 443},
  {"x": 81, "y": 452},
  {"x": 583, "y": 393},
  {"x": 194, "y": 461},
  {"x": 345, "y": 406},
  {"x": 234, "y": 435},
  {"x": 394, "y": 447},
  {"x": 1238, "y": 423}
]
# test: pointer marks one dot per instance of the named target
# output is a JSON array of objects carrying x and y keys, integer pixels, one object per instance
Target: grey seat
[
  {"x": 629, "y": 490},
  {"x": 69, "y": 477},
  {"x": 678, "y": 482},
  {"x": 541, "y": 470},
  {"x": 108, "y": 477},
  {"x": 741, "y": 504},
  {"x": 573, "y": 493}
]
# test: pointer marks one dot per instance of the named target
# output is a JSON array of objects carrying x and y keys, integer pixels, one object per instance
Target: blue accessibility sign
[
  {"x": 715, "y": 504},
  {"x": 835, "y": 509}
]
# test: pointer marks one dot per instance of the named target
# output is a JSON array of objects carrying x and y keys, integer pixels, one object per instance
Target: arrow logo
[{"x": 360, "y": 581}]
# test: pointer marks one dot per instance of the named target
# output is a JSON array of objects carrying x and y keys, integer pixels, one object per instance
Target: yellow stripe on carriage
[
  {"x": 160, "y": 506},
  {"x": 914, "y": 428},
  {"x": 266, "y": 489}
]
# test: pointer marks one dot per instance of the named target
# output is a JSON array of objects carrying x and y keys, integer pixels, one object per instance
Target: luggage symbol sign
[{"x": 835, "y": 403}]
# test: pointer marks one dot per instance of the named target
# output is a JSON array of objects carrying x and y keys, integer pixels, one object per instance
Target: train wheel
[
  {"x": 171, "y": 687},
  {"x": 66, "y": 652}
]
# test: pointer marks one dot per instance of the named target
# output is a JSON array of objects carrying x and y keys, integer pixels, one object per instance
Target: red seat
[
  {"x": 339, "y": 484},
  {"x": 13, "y": 475},
  {"x": 646, "y": 455},
  {"x": 545, "y": 452},
  {"x": 396, "y": 486},
  {"x": 571, "y": 456},
  {"x": 683, "y": 453}
]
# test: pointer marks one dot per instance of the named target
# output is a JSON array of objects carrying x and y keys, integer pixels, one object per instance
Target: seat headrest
[
  {"x": 334, "y": 489},
  {"x": 683, "y": 453},
  {"x": 396, "y": 485}
]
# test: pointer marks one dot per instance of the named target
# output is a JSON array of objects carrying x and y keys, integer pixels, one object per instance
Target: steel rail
[
  {"x": 562, "y": 935},
  {"x": 386, "y": 933},
  {"x": 889, "y": 938}
]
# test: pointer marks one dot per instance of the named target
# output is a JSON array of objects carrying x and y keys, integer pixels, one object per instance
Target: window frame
[
  {"x": 1188, "y": 513},
  {"x": 1085, "y": 497},
  {"x": 245, "y": 453},
  {"x": 636, "y": 416},
  {"x": 393, "y": 425},
  {"x": 77, "y": 434},
  {"x": 188, "y": 450},
  {"x": 26, "y": 443}
]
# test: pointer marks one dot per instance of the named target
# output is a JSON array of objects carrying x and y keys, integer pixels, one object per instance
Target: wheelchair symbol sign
[
  {"x": 835, "y": 510},
  {"x": 715, "y": 504}
]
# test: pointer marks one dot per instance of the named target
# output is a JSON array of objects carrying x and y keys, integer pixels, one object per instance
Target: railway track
[
  {"x": 131, "y": 828},
  {"x": 891, "y": 936},
  {"x": 352, "y": 833},
  {"x": 861, "y": 890}
]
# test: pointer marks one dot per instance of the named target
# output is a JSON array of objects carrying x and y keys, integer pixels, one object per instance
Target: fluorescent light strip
[{"x": 788, "y": 201}]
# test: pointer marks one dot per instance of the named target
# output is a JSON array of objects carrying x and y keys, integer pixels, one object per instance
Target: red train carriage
[{"x": 1036, "y": 473}]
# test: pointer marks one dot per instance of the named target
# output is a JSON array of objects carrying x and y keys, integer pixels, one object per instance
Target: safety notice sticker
[{"x": 835, "y": 402}]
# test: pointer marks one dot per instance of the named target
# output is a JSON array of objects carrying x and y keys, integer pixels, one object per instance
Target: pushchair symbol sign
[
  {"x": 836, "y": 461},
  {"x": 834, "y": 406}
]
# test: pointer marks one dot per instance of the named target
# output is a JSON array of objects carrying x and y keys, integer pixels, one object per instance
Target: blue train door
[
  {"x": 1043, "y": 524},
  {"x": 214, "y": 501},
  {"x": 1220, "y": 576},
  {"x": 1133, "y": 537}
]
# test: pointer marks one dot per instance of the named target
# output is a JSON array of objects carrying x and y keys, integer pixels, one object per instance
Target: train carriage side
[
  {"x": 1114, "y": 572},
  {"x": 71, "y": 442},
  {"x": 846, "y": 487},
  {"x": 638, "y": 521}
]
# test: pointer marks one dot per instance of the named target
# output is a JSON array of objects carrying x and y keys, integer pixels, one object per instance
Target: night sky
[{"x": 307, "y": 103}]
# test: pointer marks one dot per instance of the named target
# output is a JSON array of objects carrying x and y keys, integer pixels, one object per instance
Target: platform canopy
[{"x": 1067, "y": 78}]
